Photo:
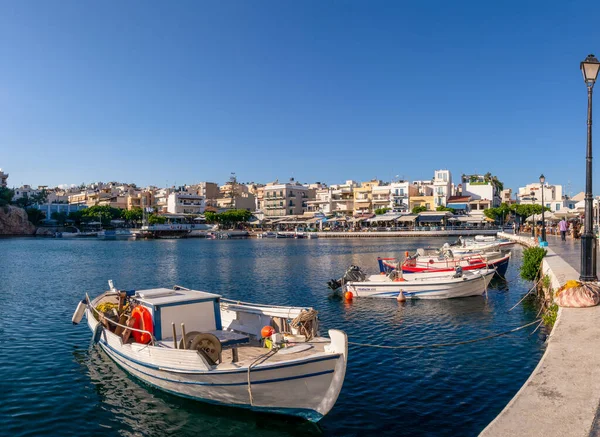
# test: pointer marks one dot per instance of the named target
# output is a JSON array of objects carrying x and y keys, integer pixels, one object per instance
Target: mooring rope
[
  {"x": 425, "y": 346},
  {"x": 530, "y": 290},
  {"x": 264, "y": 358}
]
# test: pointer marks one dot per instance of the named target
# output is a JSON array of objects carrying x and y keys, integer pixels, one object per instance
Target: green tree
[
  {"x": 104, "y": 213},
  {"x": 380, "y": 211},
  {"x": 35, "y": 216},
  {"x": 155, "y": 219},
  {"x": 444, "y": 208},
  {"x": 40, "y": 197},
  {"x": 6, "y": 196},
  {"x": 76, "y": 216},
  {"x": 60, "y": 217},
  {"x": 210, "y": 217},
  {"x": 499, "y": 214},
  {"x": 419, "y": 209},
  {"x": 133, "y": 215}
]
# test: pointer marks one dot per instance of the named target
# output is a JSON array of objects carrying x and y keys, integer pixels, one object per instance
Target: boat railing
[
  {"x": 239, "y": 302},
  {"x": 103, "y": 317}
]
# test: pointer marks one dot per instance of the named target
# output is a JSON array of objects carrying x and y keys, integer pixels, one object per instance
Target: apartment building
[
  {"x": 442, "y": 187},
  {"x": 400, "y": 194},
  {"x": 182, "y": 202},
  {"x": 363, "y": 197},
  {"x": 381, "y": 196},
  {"x": 286, "y": 199},
  {"x": 484, "y": 193},
  {"x": 553, "y": 195}
]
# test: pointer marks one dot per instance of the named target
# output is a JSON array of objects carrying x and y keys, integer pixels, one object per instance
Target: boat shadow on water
[{"x": 127, "y": 401}]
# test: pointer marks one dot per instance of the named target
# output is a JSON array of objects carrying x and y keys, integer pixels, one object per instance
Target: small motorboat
[
  {"x": 441, "y": 285},
  {"x": 267, "y": 235},
  {"x": 200, "y": 346},
  {"x": 478, "y": 244},
  {"x": 424, "y": 261}
]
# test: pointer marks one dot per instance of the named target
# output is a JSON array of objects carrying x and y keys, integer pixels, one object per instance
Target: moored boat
[
  {"x": 441, "y": 285},
  {"x": 217, "y": 355},
  {"x": 422, "y": 262},
  {"x": 115, "y": 234}
]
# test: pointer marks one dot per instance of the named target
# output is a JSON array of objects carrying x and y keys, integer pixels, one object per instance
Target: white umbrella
[{"x": 538, "y": 217}]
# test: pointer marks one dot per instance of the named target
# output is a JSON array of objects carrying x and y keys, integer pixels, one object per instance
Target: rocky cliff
[{"x": 13, "y": 221}]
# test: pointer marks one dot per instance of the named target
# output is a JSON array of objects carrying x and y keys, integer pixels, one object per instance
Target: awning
[
  {"x": 457, "y": 205},
  {"x": 468, "y": 219},
  {"x": 384, "y": 218},
  {"x": 407, "y": 218},
  {"x": 430, "y": 218},
  {"x": 357, "y": 219}
]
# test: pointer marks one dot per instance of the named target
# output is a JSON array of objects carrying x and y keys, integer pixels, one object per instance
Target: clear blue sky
[{"x": 162, "y": 92}]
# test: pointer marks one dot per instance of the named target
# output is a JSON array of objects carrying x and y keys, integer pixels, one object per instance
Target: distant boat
[
  {"x": 74, "y": 233},
  {"x": 115, "y": 234}
]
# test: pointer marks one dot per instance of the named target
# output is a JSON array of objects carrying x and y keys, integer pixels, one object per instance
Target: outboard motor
[
  {"x": 458, "y": 272},
  {"x": 353, "y": 274}
]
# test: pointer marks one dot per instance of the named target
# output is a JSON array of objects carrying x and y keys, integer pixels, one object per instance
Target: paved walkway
[{"x": 562, "y": 396}]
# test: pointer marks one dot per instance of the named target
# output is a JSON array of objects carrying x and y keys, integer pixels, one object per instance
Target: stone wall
[{"x": 13, "y": 221}]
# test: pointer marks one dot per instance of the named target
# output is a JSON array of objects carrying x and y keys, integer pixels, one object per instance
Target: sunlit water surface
[{"x": 54, "y": 383}]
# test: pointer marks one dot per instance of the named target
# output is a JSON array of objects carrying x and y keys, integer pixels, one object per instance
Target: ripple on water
[{"x": 53, "y": 383}]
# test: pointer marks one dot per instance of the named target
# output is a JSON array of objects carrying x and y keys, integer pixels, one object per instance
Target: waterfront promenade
[{"x": 562, "y": 395}]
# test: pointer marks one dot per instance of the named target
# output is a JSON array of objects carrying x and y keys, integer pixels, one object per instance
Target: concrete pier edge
[{"x": 562, "y": 395}]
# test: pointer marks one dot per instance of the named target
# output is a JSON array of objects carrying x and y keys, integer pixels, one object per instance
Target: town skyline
[{"x": 194, "y": 91}]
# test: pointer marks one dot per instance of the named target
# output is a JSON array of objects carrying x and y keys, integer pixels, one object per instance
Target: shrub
[{"x": 532, "y": 259}]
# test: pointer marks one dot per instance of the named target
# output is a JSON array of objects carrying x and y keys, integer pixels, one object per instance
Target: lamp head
[
  {"x": 589, "y": 69},
  {"x": 542, "y": 179}
]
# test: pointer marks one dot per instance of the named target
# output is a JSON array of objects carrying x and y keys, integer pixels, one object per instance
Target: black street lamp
[
  {"x": 542, "y": 180},
  {"x": 533, "y": 199},
  {"x": 589, "y": 68}
]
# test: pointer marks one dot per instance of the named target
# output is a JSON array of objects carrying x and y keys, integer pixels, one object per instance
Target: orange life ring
[{"x": 142, "y": 320}]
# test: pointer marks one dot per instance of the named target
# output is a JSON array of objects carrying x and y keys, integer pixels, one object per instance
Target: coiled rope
[
  {"x": 304, "y": 322},
  {"x": 425, "y": 346}
]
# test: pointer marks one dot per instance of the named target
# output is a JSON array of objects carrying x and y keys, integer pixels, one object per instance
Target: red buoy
[
  {"x": 348, "y": 295},
  {"x": 267, "y": 331}
]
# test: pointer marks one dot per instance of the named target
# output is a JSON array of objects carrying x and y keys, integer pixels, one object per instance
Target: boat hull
[
  {"x": 305, "y": 387},
  {"x": 425, "y": 289}
]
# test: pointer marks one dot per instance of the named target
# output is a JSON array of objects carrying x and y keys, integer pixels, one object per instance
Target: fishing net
[{"x": 575, "y": 294}]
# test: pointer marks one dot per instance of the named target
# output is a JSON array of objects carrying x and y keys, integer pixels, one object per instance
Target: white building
[
  {"x": 484, "y": 194},
  {"x": 25, "y": 191},
  {"x": 553, "y": 196},
  {"x": 442, "y": 187},
  {"x": 182, "y": 202}
]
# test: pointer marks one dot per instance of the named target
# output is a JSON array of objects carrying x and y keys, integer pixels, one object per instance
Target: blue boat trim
[
  {"x": 219, "y": 372},
  {"x": 229, "y": 384}
]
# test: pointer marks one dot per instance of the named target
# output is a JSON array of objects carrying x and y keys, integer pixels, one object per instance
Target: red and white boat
[{"x": 422, "y": 262}]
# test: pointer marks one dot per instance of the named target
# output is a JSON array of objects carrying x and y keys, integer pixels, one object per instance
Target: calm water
[{"x": 53, "y": 383}]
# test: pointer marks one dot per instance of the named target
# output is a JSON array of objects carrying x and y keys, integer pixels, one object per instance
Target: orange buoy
[
  {"x": 142, "y": 319},
  {"x": 267, "y": 331},
  {"x": 406, "y": 254},
  {"x": 348, "y": 295}
]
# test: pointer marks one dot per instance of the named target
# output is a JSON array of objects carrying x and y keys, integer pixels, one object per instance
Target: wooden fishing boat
[
  {"x": 441, "y": 285},
  {"x": 218, "y": 355}
]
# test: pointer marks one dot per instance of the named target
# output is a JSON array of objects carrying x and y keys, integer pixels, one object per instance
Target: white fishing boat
[
  {"x": 477, "y": 245},
  {"x": 217, "y": 356},
  {"x": 115, "y": 234},
  {"x": 415, "y": 286}
]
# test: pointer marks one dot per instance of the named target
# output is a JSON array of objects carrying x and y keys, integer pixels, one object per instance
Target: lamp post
[
  {"x": 542, "y": 180},
  {"x": 589, "y": 68},
  {"x": 533, "y": 199}
]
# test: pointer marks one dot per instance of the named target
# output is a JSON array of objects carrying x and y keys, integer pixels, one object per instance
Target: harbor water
[{"x": 55, "y": 383}]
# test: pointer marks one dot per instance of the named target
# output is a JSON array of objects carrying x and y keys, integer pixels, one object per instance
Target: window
[
  {"x": 291, "y": 211},
  {"x": 401, "y": 191},
  {"x": 557, "y": 206}
]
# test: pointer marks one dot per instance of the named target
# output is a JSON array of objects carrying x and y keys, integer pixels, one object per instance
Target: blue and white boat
[{"x": 197, "y": 345}]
